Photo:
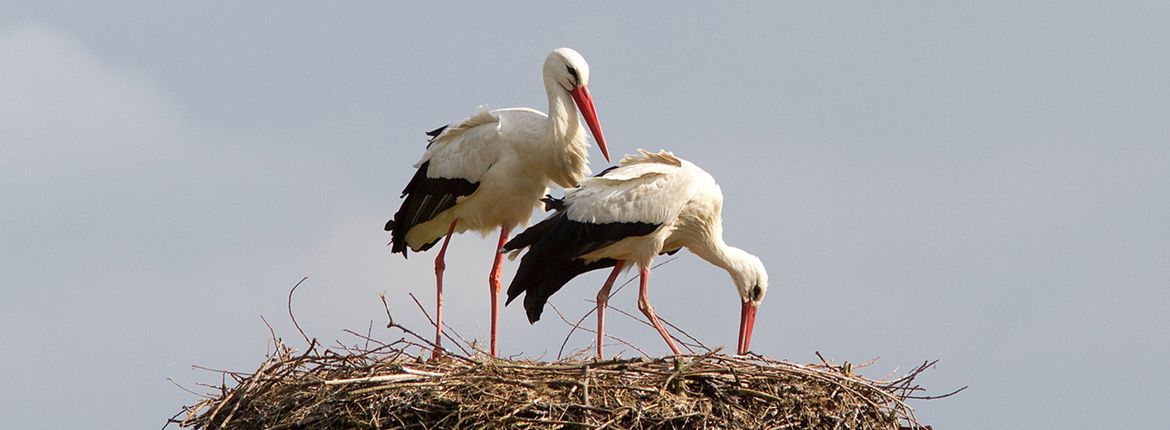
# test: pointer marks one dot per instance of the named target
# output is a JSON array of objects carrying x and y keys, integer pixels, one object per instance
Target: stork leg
[
  {"x": 440, "y": 265},
  {"x": 644, "y": 306},
  {"x": 602, "y": 301},
  {"x": 494, "y": 283}
]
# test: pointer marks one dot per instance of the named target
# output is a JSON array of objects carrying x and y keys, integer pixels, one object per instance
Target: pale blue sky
[{"x": 982, "y": 184}]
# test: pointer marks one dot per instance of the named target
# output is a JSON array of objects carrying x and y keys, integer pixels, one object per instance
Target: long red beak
[
  {"x": 585, "y": 104},
  {"x": 747, "y": 320}
]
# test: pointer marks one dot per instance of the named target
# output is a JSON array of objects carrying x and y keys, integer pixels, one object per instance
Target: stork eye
[
  {"x": 573, "y": 73},
  {"x": 756, "y": 292}
]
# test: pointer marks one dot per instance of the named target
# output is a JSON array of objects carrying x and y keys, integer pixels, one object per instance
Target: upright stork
[
  {"x": 490, "y": 170},
  {"x": 626, "y": 215}
]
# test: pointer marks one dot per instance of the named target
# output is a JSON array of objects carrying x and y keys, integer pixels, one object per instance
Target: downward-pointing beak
[
  {"x": 747, "y": 320},
  {"x": 585, "y": 105}
]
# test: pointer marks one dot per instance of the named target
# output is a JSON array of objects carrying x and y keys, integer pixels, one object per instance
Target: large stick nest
[
  {"x": 387, "y": 387},
  {"x": 380, "y": 385}
]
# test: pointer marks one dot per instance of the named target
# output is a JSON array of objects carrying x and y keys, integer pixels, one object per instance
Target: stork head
[
  {"x": 568, "y": 69},
  {"x": 751, "y": 281}
]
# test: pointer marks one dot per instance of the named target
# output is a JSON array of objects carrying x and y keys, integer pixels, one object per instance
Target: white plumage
[
  {"x": 509, "y": 154},
  {"x": 649, "y": 205},
  {"x": 489, "y": 171},
  {"x": 641, "y": 190}
]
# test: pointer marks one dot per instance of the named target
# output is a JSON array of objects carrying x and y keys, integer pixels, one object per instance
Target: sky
[{"x": 981, "y": 184}]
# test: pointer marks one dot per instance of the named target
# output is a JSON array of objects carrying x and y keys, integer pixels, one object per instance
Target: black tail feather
[
  {"x": 532, "y": 234},
  {"x": 555, "y": 247},
  {"x": 545, "y": 281}
]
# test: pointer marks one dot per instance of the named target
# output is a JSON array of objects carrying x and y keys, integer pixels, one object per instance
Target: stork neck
[
  {"x": 719, "y": 253},
  {"x": 562, "y": 113}
]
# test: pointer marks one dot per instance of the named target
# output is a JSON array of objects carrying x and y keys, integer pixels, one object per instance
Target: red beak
[
  {"x": 747, "y": 320},
  {"x": 585, "y": 105}
]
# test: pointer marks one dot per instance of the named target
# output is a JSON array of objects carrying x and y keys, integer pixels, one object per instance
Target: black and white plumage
[
  {"x": 649, "y": 205},
  {"x": 489, "y": 171}
]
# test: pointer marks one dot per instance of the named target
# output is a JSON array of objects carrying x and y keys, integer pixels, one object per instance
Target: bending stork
[
  {"x": 489, "y": 171},
  {"x": 649, "y": 205}
]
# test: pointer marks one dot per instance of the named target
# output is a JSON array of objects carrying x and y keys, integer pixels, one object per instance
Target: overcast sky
[{"x": 982, "y": 184}]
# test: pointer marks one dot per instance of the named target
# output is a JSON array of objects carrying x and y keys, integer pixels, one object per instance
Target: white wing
[
  {"x": 650, "y": 188},
  {"x": 466, "y": 149}
]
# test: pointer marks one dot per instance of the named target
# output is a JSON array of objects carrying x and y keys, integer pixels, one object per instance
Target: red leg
[
  {"x": 494, "y": 283},
  {"x": 439, "y": 267},
  {"x": 644, "y": 306},
  {"x": 602, "y": 301}
]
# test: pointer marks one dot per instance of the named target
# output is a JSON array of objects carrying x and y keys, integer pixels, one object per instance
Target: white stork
[
  {"x": 649, "y": 205},
  {"x": 489, "y": 171}
]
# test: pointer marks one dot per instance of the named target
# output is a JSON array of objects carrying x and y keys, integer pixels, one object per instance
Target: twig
[
  {"x": 313, "y": 342},
  {"x": 172, "y": 381},
  {"x": 575, "y": 326},
  {"x": 406, "y": 330},
  {"x": 939, "y": 396},
  {"x": 367, "y": 338},
  {"x": 369, "y": 334},
  {"x": 214, "y": 370},
  {"x": 381, "y": 378},
  {"x": 458, "y": 342},
  {"x": 594, "y": 309},
  {"x": 622, "y": 341},
  {"x": 647, "y": 324},
  {"x": 271, "y": 332},
  {"x": 386, "y": 306},
  {"x": 688, "y": 335}
]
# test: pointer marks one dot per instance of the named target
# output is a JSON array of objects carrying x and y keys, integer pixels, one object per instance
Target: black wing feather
[
  {"x": 553, "y": 258},
  {"x": 434, "y": 134},
  {"x": 603, "y": 172},
  {"x": 425, "y": 199}
]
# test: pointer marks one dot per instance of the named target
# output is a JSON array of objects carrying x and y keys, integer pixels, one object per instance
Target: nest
[
  {"x": 386, "y": 387},
  {"x": 380, "y": 385}
]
